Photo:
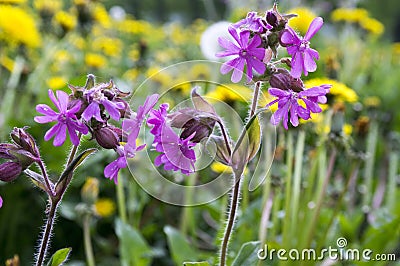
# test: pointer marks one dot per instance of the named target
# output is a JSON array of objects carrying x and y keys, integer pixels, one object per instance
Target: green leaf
[
  {"x": 180, "y": 248},
  {"x": 134, "y": 249},
  {"x": 247, "y": 254},
  {"x": 59, "y": 257},
  {"x": 200, "y": 263},
  {"x": 73, "y": 165},
  {"x": 247, "y": 145}
]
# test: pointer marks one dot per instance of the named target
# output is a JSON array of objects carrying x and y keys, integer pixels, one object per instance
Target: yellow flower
[
  {"x": 90, "y": 190},
  {"x": 220, "y": 168},
  {"x": 339, "y": 90},
  {"x": 230, "y": 92},
  {"x": 131, "y": 74},
  {"x": 303, "y": 19},
  {"x": 12, "y": 1},
  {"x": 109, "y": 46},
  {"x": 104, "y": 207},
  {"x": 200, "y": 71},
  {"x": 134, "y": 54},
  {"x": 347, "y": 129},
  {"x": 66, "y": 20},
  {"x": 372, "y": 101},
  {"x": 396, "y": 48},
  {"x": 372, "y": 25},
  {"x": 349, "y": 15},
  {"x": 157, "y": 75},
  {"x": 7, "y": 62},
  {"x": 48, "y": 6},
  {"x": 56, "y": 82},
  {"x": 182, "y": 85},
  {"x": 133, "y": 26},
  {"x": 100, "y": 14},
  {"x": 77, "y": 41},
  {"x": 95, "y": 60},
  {"x": 16, "y": 25}
]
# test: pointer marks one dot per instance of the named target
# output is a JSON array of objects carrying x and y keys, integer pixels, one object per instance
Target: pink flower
[
  {"x": 247, "y": 52},
  {"x": 1, "y": 202},
  {"x": 288, "y": 102},
  {"x": 299, "y": 48},
  {"x": 66, "y": 119}
]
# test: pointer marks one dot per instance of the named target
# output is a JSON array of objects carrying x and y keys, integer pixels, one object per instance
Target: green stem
[
  {"x": 231, "y": 219},
  {"x": 121, "y": 199},
  {"x": 369, "y": 163},
  {"x": 54, "y": 202},
  {"x": 87, "y": 240},
  {"x": 296, "y": 180},
  {"x": 322, "y": 191},
  {"x": 393, "y": 165},
  {"x": 288, "y": 189},
  {"x": 351, "y": 179},
  {"x": 44, "y": 243},
  {"x": 255, "y": 98}
]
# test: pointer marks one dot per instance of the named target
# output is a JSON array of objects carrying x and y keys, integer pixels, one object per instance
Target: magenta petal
[
  {"x": 309, "y": 63},
  {"x": 72, "y": 134},
  {"x": 63, "y": 100},
  {"x": 45, "y": 109},
  {"x": 227, "y": 44},
  {"x": 255, "y": 42},
  {"x": 244, "y": 39},
  {"x": 111, "y": 109},
  {"x": 52, "y": 131},
  {"x": 53, "y": 99},
  {"x": 238, "y": 72},
  {"x": 294, "y": 119},
  {"x": 93, "y": 110},
  {"x": 315, "y": 26},
  {"x": 61, "y": 135},
  {"x": 297, "y": 65},
  {"x": 45, "y": 119},
  {"x": 287, "y": 37},
  {"x": 278, "y": 92}
]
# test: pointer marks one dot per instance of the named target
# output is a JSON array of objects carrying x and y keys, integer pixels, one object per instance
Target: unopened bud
[
  {"x": 272, "y": 19},
  {"x": 9, "y": 171},
  {"x": 284, "y": 81},
  {"x": 25, "y": 140},
  {"x": 106, "y": 137}
]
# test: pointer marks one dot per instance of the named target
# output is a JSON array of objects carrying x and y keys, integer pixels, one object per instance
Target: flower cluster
[
  {"x": 90, "y": 109},
  {"x": 257, "y": 39}
]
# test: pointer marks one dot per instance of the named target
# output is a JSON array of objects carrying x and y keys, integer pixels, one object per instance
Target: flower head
[
  {"x": 289, "y": 101},
  {"x": 253, "y": 23},
  {"x": 131, "y": 128},
  {"x": 176, "y": 153},
  {"x": 299, "y": 48},
  {"x": 66, "y": 119},
  {"x": 246, "y": 51}
]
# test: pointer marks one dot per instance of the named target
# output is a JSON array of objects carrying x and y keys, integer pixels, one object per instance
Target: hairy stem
[
  {"x": 255, "y": 98},
  {"x": 44, "y": 243},
  {"x": 54, "y": 201},
  {"x": 47, "y": 181},
  {"x": 87, "y": 241},
  {"x": 234, "y": 203}
]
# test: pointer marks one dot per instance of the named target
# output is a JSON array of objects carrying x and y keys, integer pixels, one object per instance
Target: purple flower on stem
[
  {"x": 253, "y": 23},
  {"x": 95, "y": 98},
  {"x": 299, "y": 48},
  {"x": 131, "y": 127},
  {"x": 66, "y": 119},
  {"x": 288, "y": 101},
  {"x": 176, "y": 153},
  {"x": 247, "y": 52}
]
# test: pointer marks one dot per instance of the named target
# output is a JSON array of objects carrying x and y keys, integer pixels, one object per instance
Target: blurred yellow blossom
[
  {"x": 12, "y": 1},
  {"x": 347, "y": 129},
  {"x": 56, "y": 82},
  {"x": 230, "y": 92},
  {"x": 220, "y": 168},
  {"x": 200, "y": 71},
  {"x": 16, "y": 25},
  {"x": 7, "y": 62},
  {"x": 372, "y": 101},
  {"x": 157, "y": 75},
  {"x": 48, "y": 6},
  {"x": 90, "y": 190},
  {"x": 303, "y": 19},
  {"x": 100, "y": 15},
  {"x": 338, "y": 90},
  {"x": 109, "y": 46},
  {"x": 131, "y": 74},
  {"x": 104, "y": 207},
  {"x": 95, "y": 60},
  {"x": 66, "y": 20},
  {"x": 360, "y": 16}
]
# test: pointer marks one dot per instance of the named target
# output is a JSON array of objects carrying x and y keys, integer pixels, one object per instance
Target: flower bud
[
  {"x": 192, "y": 121},
  {"x": 271, "y": 18},
  {"x": 106, "y": 137},
  {"x": 24, "y": 158},
  {"x": 9, "y": 171},
  {"x": 284, "y": 81},
  {"x": 25, "y": 140}
]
